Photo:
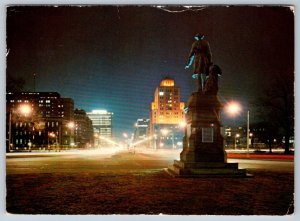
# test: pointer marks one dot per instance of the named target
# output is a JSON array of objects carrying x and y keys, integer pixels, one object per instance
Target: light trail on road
[
  {"x": 142, "y": 141},
  {"x": 118, "y": 160}
]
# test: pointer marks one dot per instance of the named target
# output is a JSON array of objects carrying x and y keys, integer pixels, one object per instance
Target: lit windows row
[
  {"x": 52, "y": 124},
  {"x": 22, "y": 124},
  {"x": 19, "y": 101}
]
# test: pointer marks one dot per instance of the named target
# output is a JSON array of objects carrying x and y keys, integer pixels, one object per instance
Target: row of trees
[{"x": 276, "y": 108}]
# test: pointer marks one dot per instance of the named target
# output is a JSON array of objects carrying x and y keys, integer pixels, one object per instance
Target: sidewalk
[{"x": 266, "y": 156}]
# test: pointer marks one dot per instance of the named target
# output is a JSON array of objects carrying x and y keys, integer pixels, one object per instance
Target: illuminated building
[
  {"x": 141, "y": 129},
  {"x": 50, "y": 115},
  {"x": 167, "y": 115},
  {"x": 102, "y": 126},
  {"x": 166, "y": 107}
]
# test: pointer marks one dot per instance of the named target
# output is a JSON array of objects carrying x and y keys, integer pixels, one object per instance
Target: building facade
[
  {"x": 46, "y": 124},
  {"x": 83, "y": 133},
  {"x": 102, "y": 127},
  {"x": 167, "y": 116},
  {"x": 141, "y": 132}
]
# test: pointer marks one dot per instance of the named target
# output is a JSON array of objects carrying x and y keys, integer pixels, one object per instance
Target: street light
[
  {"x": 250, "y": 139},
  {"x": 24, "y": 109},
  {"x": 233, "y": 108},
  {"x": 182, "y": 124},
  {"x": 236, "y": 136},
  {"x": 125, "y": 135},
  {"x": 96, "y": 139},
  {"x": 52, "y": 135},
  {"x": 166, "y": 132},
  {"x": 70, "y": 125},
  {"x": 155, "y": 141}
]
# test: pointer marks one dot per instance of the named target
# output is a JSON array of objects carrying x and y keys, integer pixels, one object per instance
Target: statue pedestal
[{"x": 203, "y": 154}]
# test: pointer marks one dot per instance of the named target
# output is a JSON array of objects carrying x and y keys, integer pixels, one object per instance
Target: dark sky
[{"x": 113, "y": 57}]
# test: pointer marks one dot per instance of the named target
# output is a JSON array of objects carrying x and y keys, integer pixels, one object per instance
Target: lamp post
[
  {"x": 71, "y": 126},
  {"x": 24, "y": 109},
  {"x": 165, "y": 132},
  {"x": 235, "y": 140},
  {"x": 233, "y": 108},
  {"x": 155, "y": 141},
  {"x": 125, "y": 135},
  {"x": 248, "y": 131},
  {"x": 96, "y": 139}
]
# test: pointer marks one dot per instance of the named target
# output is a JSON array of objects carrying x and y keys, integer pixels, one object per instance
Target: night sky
[{"x": 113, "y": 57}]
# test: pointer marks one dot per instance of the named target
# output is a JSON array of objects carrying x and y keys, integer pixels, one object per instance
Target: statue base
[
  {"x": 200, "y": 169},
  {"x": 203, "y": 153}
]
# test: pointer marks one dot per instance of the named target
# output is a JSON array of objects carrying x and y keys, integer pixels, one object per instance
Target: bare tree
[{"x": 278, "y": 105}]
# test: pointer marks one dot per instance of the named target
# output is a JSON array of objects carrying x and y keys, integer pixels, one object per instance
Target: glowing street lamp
[
  {"x": 155, "y": 141},
  {"x": 233, "y": 108},
  {"x": 52, "y": 135},
  {"x": 70, "y": 125},
  {"x": 166, "y": 132},
  {"x": 235, "y": 140},
  {"x": 125, "y": 135},
  {"x": 182, "y": 124},
  {"x": 24, "y": 109}
]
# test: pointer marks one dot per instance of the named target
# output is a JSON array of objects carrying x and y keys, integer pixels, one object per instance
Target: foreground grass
[{"x": 149, "y": 192}]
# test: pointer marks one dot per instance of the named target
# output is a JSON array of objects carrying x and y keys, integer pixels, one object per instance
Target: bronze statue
[
  {"x": 201, "y": 55},
  {"x": 211, "y": 85}
]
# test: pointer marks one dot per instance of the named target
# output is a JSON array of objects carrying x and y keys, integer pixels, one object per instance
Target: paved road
[{"x": 113, "y": 160}]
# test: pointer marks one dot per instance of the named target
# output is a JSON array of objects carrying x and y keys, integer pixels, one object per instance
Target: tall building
[
  {"x": 102, "y": 127},
  {"x": 83, "y": 134},
  {"x": 47, "y": 123},
  {"x": 141, "y": 131},
  {"x": 167, "y": 115},
  {"x": 166, "y": 107}
]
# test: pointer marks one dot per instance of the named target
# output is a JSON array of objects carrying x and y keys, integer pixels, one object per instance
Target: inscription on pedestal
[{"x": 207, "y": 135}]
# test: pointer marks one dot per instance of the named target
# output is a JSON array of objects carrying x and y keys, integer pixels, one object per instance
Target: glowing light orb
[
  {"x": 233, "y": 108},
  {"x": 25, "y": 109}
]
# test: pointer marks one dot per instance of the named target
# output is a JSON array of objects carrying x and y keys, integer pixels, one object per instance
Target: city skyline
[{"x": 112, "y": 58}]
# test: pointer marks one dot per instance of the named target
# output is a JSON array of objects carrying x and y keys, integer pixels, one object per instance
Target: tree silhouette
[{"x": 278, "y": 106}]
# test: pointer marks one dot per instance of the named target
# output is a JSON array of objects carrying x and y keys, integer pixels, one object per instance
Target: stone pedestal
[{"x": 203, "y": 153}]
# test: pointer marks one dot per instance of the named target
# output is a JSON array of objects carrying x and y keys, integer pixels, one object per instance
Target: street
[
  {"x": 113, "y": 181},
  {"x": 104, "y": 160}
]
